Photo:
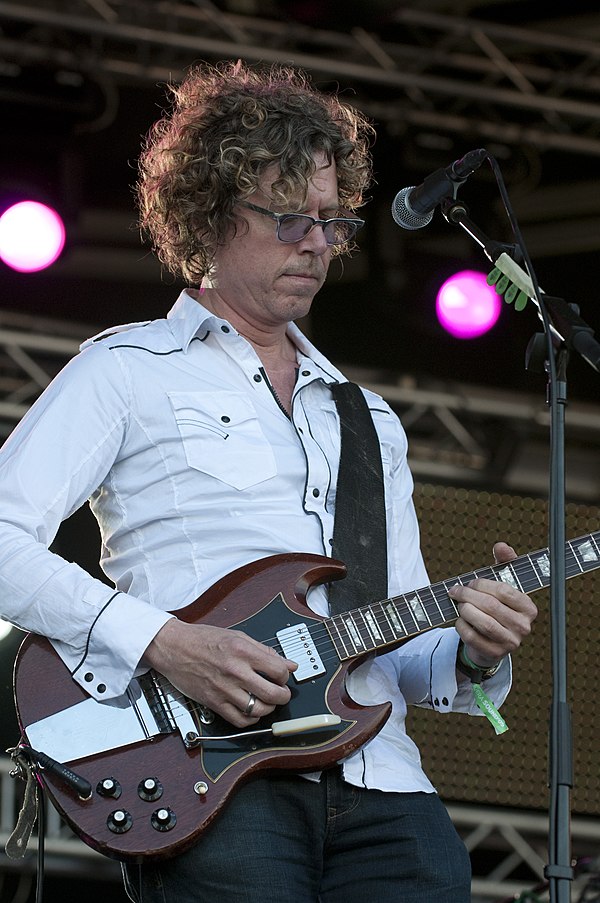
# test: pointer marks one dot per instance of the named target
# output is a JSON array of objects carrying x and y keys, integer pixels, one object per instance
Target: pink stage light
[
  {"x": 32, "y": 236},
  {"x": 466, "y": 305}
]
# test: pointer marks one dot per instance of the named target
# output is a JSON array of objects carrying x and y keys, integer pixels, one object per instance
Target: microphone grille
[{"x": 404, "y": 216}]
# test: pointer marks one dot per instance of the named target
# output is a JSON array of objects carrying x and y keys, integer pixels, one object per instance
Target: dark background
[{"x": 77, "y": 95}]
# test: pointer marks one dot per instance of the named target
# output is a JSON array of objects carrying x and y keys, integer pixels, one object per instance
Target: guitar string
[
  {"x": 404, "y": 611},
  {"x": 428, "y": 600},
  {"x": 316, "y": 632},
  {"x": 319, "y": 631}
]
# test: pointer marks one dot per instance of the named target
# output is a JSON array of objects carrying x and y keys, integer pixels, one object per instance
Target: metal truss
[
  {"x": 502, "y": 843},
  {"x": 487, "y": 438},
  {"x": 461, "y": 434},
  {"x": 445, "y": 72},
  {"x": 31, "y": 354}
]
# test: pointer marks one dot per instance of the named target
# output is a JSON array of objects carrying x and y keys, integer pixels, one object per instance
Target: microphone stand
[{"x": 565, "y": 330}]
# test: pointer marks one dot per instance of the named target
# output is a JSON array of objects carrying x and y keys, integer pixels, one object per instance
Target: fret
[
  {"x": 360, "y": 623},
  {"x": 506, "y": 574},
  {"x": 453, "y": 581},
  {"x": 418, "y": 610},
  {"x": 395, "y": 618},
  {"x": 468, "y": 578},
  {"x": 540, "y": 564},
  {"x": 572, "y": 564},
  {"x": 383, "y": 622},
  {"x": 446, "y": 606},
  {"x": 434, "y": 612},
  {"x": 373, "y": 625},
  {"x": 462, "y": 580},
  {"x": 391, "y": 616},
  {"x": 388, "y": 622},
  {"x": 337, "y": 633},
  {"x": 353, "y": 632},
  {"x": 407, "y": 618},
  {"x": 575, "y": 557},
  {"x": 533, "y": 570},
  {"x": 586, "y": 553}
]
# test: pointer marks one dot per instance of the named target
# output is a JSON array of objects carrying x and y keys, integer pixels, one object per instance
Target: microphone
[{"x": 413, "y": 207}]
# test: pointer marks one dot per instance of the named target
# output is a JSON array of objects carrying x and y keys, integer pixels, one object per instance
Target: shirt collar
[
  {"x": 189, "y": 318},
  {"x": 328, "y": 373}
]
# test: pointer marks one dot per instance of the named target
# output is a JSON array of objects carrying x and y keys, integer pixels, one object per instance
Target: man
[{"x": 209, "y": 440}]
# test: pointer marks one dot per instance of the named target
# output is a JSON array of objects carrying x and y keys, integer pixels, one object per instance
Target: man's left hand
[{"x": 494, "y": 617}]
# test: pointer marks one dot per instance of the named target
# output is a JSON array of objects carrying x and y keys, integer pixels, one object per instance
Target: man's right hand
[{"x": 222, "y": 669}]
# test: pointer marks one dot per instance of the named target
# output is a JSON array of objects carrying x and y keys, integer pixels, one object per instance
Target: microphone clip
[{"x": 413, "y": 207}]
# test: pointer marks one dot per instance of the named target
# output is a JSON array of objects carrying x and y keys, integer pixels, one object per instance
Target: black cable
[{"x": 41, "y": 820}]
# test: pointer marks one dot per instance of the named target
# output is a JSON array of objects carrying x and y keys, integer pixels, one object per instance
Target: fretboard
[{"x": 391, "y": 621}]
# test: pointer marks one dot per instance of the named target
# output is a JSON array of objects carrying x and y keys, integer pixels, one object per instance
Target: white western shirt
[{"x": 171, "y": 430}]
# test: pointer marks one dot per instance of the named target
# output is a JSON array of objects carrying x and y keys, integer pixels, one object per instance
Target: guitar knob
[
  {"x": 109, "y": 787},
  {"x": 119, "y": 821},
  {"x": 163, "y": 819},
  {"x": 150, "y": 789}
]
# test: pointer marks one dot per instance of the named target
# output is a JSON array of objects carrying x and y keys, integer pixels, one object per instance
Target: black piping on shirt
[{"x": 87, "y": 645}]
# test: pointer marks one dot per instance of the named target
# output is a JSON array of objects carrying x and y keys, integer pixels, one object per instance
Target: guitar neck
[{"x": 388, "y": 623}]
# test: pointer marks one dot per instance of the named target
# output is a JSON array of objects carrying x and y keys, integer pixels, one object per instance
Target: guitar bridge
[{"x": 168, "y": 706}]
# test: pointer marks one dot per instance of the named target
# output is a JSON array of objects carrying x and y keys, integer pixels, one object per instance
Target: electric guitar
[{"x": 145, "y": 774}]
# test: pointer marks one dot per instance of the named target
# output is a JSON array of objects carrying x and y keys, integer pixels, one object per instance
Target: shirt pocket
[{"x": 222, "y": 437}]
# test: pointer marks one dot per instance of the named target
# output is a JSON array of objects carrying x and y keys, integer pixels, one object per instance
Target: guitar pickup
[{"x": 298, "y": 645}]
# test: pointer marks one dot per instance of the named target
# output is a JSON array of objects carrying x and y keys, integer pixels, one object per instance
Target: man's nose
[{"x": 314, "y": 240}]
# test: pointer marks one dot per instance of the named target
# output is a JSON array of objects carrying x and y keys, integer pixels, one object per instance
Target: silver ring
[{"x": 251, "y": 704}]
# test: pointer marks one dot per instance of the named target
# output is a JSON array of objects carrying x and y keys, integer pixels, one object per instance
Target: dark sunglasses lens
[
  {"x": 294, "y": 226},
  {"x": 339, "y": 231}
]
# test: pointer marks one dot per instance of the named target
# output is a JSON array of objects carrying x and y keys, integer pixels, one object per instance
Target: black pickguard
[{"x": 309, "y": 697}]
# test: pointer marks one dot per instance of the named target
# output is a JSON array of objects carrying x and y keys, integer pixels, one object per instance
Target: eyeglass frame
[{"x": 278, "y": 217}]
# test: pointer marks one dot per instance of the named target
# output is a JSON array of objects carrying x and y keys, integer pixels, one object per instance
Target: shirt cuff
[
  {"x": 117, "y": 641},
  {"x": 449, "y": 695}
]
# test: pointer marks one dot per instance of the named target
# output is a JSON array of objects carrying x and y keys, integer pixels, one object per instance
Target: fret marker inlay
[
  {"x": 506, "y": 575},
  {"x": 587, "y": 551},
  {"x": 543, "y": 565},
  {"x": 354, "y": 634},
  {"x": 393, "y": 618},
  {"x": 373, "y": 625},
  {"x": 419, "y": 613}
]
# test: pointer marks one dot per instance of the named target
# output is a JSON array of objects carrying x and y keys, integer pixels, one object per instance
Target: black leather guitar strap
[{"x": 359, "y": 534}]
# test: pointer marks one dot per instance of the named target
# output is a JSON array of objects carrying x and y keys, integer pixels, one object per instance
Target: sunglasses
[{"x": 293, "y": 227}]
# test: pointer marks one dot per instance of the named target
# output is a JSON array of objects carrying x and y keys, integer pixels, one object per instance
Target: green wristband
[{"x": 489, "y": 709}]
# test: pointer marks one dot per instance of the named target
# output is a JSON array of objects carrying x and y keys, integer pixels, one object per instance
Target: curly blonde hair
[{"x": 227, "y": 124}]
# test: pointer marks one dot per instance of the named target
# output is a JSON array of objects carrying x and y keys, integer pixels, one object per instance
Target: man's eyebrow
[{"x": 332, "y": 208}]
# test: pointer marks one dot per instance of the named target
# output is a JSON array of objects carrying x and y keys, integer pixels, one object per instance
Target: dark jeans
[{"x": 284, "y": 839}]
